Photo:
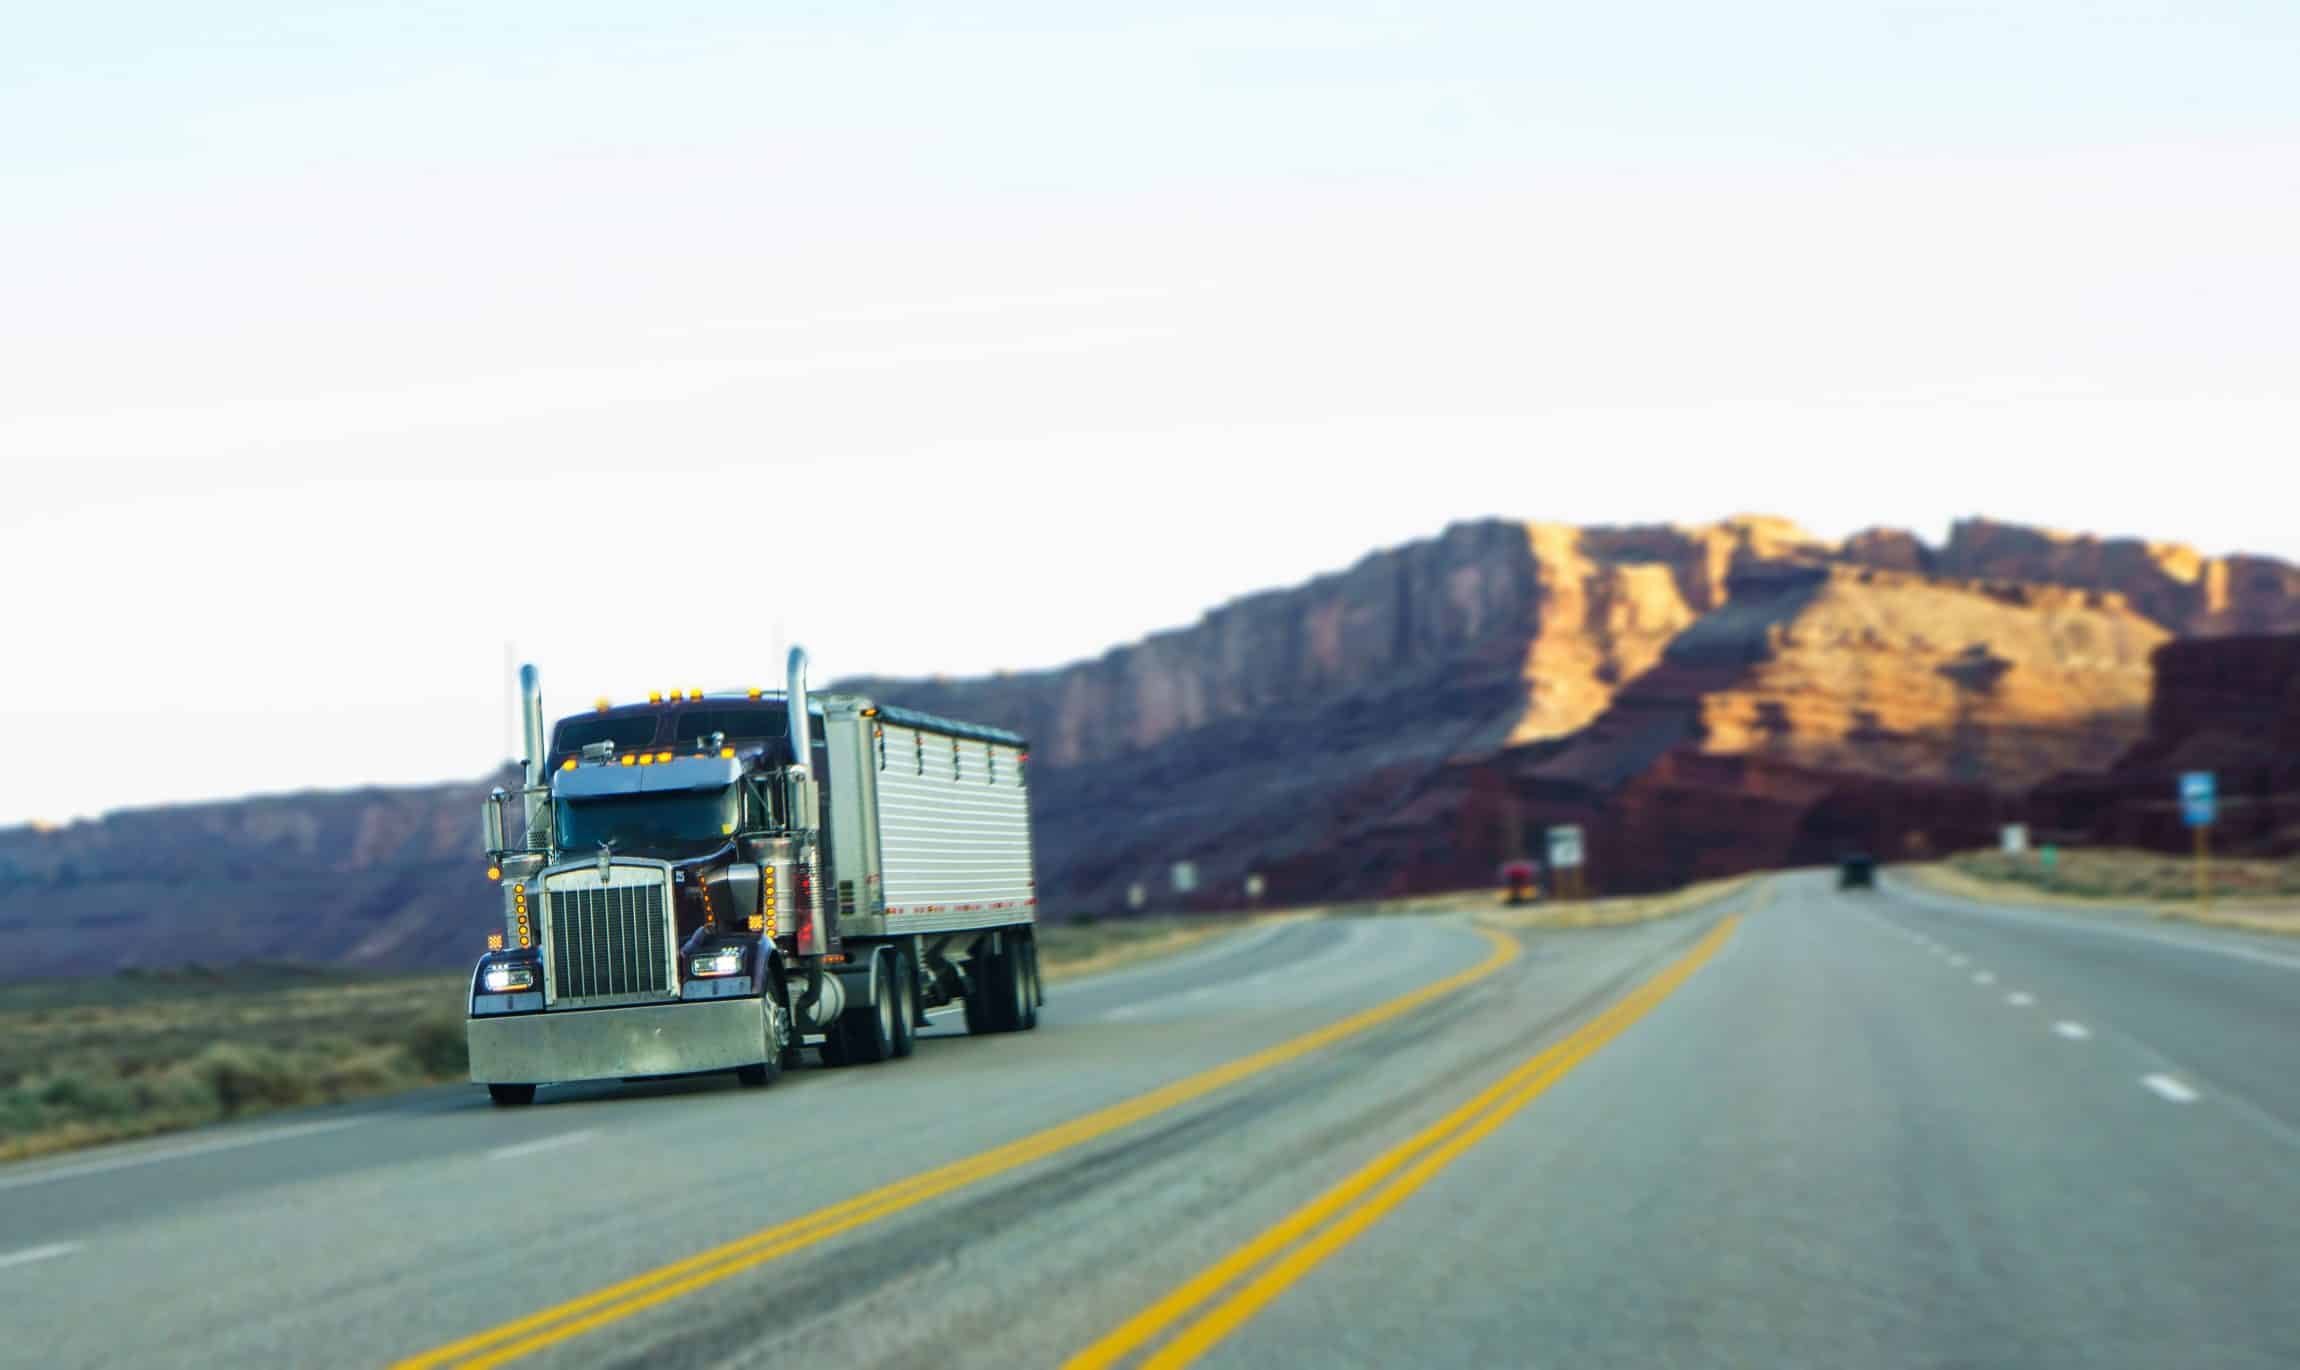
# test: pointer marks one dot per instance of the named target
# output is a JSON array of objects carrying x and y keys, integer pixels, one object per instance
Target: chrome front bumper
[{"x": 618, "y": 1043}]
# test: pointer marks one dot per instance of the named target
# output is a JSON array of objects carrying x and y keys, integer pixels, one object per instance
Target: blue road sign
[{"x": 2199, "y": 796}]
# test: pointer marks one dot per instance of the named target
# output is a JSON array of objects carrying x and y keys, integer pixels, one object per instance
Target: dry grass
[
  {"x": 99, "y": 1060},
  {"x": 1091, "y": 946},
  {"x": 87, "y": 1061},
  {"x": 2260, "y": 896},
  {"x": 1606, "y": 913}
]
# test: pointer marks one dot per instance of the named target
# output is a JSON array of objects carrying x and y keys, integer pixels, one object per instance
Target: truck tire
[
  {"x": 982, "y": 997},
  {"x": 1000, "y": 999},
  {"x": 511, "y": 1096},
  {"x": 905, "y": 991},
  {"x": 1030, "y": 987},
  {"x": 1021, "y": 995},
  {"x": 778, "y": 1046},
  {"x": 865, "y": 1032}
]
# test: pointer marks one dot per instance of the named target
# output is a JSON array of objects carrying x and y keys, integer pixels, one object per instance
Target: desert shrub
[
  {"x": 439, "y": 1048},
  {"x": 242, "y": 1077}
]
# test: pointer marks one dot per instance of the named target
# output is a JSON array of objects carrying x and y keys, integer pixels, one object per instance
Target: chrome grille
[{"x": 609, "y": 945}]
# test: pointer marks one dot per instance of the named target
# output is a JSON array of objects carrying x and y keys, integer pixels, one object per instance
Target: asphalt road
[{"x": 1799, "y": 1128}]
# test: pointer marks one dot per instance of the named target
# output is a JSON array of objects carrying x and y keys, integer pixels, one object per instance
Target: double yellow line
[
  {"x": 1353, "y": 1206},
  {"x": 616, "y": 1302}
]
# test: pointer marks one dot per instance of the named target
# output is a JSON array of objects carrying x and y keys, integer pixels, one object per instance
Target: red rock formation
[
  {"x": 1703, "y": 697},
  {"x": 2226, "y": 705}
]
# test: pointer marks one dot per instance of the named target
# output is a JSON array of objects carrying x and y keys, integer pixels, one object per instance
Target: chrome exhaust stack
[
  {"x": 802, "y": 732},
  {"x": 531, "y": 716}
]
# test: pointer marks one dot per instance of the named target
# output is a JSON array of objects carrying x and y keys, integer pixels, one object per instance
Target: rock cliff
[{"x": 1701, "y": 697}]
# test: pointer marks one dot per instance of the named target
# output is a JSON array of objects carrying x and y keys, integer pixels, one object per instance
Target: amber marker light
[
  {"x": 495, "y": 941},
  {"x": 495, "y": 872},
  {"x": 630, "y": 760},
  {"x": 726, "y": 753},
  {"x": 568, "y": 764},
  {"x": 654, "y": 696},
  {"x": 662, "y": 756},
  {"x": 600, "y": 704},
  {"x": 754, "y": 692},
  {"x": 646, "y": 758}
]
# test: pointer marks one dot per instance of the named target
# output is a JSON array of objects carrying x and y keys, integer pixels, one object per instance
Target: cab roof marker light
[
  {"x": 630, "y": 760},
  {"x": 568, "y": 764},
  {"x": 600, "y": 704},
  {"x": 654, "y": 696}
]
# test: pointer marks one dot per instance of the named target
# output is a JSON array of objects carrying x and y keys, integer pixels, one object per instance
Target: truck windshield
[{"x": 672, "y": 823}]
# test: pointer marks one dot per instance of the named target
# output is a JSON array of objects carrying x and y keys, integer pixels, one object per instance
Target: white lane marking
[
  {"x": 1984, "y": 978},
  {"x": 2075, "y": 1032},
  {"x": 1227, "y": 946},
  {"x": 1356, "y": 933},
  {"x": 2170, "y": 1088},
  {"x": 2079, "y": 923},
  {"x": 2020, "y": 999},
  {"x": 38, "y": 1253},
  {"x": 99, "y": 1167},
  {"x": 505, "y": 1153}
]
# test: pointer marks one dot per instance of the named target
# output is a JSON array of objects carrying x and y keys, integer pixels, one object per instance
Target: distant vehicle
[
  {"x": 703, "y": 881},
  {"x": 1857, "y": 871}
]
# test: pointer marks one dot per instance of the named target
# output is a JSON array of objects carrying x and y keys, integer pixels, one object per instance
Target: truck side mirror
[{"x": 491, "y": 822}]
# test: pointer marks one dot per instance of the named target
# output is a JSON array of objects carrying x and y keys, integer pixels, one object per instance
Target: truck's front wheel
[
  {"x": 778, "y": 1046},
  {"x": 511, "y": 1096}
]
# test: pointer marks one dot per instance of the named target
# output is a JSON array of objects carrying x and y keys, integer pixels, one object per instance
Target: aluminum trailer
[{"x": 709, "y": 881}]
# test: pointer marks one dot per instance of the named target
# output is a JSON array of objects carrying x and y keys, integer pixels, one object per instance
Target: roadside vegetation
[
  {"x": 95, "y": 1060},
  {"x": 98, "y": 1060},
  {"x": 2263, "y": 896}
]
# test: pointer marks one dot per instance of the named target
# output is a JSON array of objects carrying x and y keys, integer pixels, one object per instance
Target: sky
[{"x": 345, "y": 352}]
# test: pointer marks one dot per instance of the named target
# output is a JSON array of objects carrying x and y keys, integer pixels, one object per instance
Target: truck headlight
[
  {"x": 504, "y": 979},
  {"x": 724, "y": 961}
]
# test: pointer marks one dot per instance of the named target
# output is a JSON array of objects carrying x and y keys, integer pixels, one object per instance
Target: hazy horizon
[{"x": 346, "y": 344}]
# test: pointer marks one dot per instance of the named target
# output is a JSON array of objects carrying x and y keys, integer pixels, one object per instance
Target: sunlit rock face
[{"x": 1702, "y": 698}]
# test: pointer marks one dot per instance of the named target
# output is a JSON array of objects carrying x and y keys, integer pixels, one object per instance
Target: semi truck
[{"x": 711, "y": 882}]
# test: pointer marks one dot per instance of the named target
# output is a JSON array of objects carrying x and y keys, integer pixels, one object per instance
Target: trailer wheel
[
  {"x": 982, "y": 997},
  {"x": 1031, "y": 993},
  {"x": 511, "y": 1096},
  {"x": 1021, "y": 996},
  {"x": 905, "y": 994}
]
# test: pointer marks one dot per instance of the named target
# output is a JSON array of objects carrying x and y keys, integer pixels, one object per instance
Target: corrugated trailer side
[
  {"x": 943, "y": 823},
  {"x": 954, "y": 831}
]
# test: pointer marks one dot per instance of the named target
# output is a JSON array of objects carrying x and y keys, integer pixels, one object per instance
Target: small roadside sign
[
  {"x": 1185, "y": 876},
  {"x": 1565, "y": 846},
  {"x": 2199, "y": 798},
  {"x": 2015, "y": 838}
]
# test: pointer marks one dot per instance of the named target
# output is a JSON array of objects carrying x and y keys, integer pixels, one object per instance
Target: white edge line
[
  {"x": 2170, "y": 1088},
  {"x": 99, "y": 1167},
  {"x": 38, "y": 1253},
  {"x": 505, "y": 1153},
  {"x": 2085, "y": 922}
]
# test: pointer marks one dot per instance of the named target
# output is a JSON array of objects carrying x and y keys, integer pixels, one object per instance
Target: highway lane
[
  {"x": 1840, "y": 1146},
  {"x": 1808, "y": 1137},
  {"x": 397, "y": 1227}
]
